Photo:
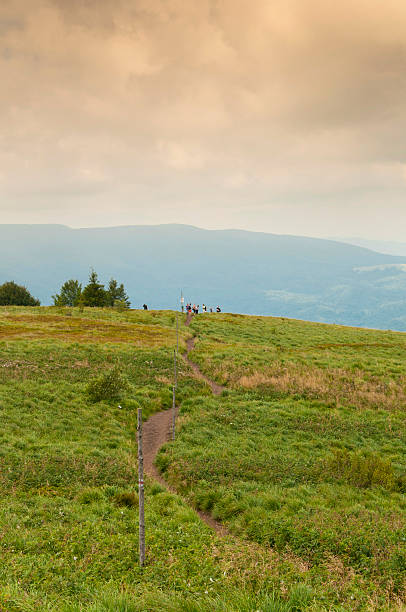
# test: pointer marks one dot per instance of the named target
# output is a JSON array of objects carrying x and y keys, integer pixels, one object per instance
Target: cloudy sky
[{"x": 286, "y": 116}]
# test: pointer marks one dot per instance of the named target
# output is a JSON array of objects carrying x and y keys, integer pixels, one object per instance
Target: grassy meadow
[
  {"x": 303, "y": 458},
  {"x": 305, "y": 452}
]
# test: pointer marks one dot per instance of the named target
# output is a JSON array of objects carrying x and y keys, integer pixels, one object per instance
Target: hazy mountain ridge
[
  {"x": 251, "y": 272},
  {"x": 381, "y": 246}
]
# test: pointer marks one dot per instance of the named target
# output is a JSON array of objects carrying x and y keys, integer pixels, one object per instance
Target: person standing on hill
[
  {"x": 145, "y": 307},
  {"x": 218, "y": 309}
]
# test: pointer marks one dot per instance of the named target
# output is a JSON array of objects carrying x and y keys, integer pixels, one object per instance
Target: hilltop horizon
[
  {"x": 367, "y": 242},
  {"x": 248, "y": 272}
]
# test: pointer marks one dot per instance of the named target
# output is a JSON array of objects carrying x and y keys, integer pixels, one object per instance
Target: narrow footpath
[
  {"x": 190, "y": 345},
  {"x": 157, "y": 431}
]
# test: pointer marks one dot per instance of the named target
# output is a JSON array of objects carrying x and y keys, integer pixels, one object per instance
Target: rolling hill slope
[{"x": 301, "y": 457}]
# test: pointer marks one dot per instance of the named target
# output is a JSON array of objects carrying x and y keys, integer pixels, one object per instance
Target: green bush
[
  {"x": 90, "y": 495},
  {"x": 109, "y": 386},
  {"x": 361, "y": 469},
  {"x": 126, "y": 498},
  {"x": 17, "y": 295}
]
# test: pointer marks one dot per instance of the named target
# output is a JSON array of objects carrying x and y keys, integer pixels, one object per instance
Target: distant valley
[{"x": 246, "y": 272}]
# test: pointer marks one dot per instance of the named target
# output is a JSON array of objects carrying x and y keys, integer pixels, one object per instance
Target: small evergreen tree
[
  {"x": 70, "y": 294},
  {"x": 94, "y": 293},
  {"x": 116, "y": 294},
  {"x": 12, "y": 294}
]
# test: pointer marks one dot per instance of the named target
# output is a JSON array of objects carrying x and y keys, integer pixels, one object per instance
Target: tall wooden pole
[
  {"x": 175, "y": 382},
  {"x": 177, "y": 332},
  {"x": 141, "y": 489},
  {"x": 173, "y": 412}
]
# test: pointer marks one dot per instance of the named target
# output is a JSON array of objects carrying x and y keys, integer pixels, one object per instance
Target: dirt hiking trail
[
  {"x": 157, "y": 430},
  {"x": 190, "y": 345}
]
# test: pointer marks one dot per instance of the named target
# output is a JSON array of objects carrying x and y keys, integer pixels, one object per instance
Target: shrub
[
  {"x": 361, "y": 469},
  {"x": 12, "y": 294},
  {"x": 90, "y": 495},
  {"x": 126, "y": 498},
  {"x": 109, "y": 386}
]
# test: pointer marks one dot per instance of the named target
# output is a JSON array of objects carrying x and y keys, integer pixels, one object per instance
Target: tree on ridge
[
  {"x": 116, "y": 294},
  {"x": 94, "y": 294},
  {"x": 70, "y": 294},
  {"x": 12, "y": 294}
]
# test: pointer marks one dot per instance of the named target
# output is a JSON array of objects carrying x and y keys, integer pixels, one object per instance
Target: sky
[{"x": 285, "y": 116}]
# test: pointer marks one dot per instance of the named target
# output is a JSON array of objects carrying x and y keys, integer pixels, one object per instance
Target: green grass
[
  {"x": 307, "y": 454},
  {"x": 310, "y": 480},
  {"x": 354, "y": 366}
]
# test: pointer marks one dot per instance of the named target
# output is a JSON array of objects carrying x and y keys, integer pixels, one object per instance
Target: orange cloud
[{"x": 300, "y": 96}]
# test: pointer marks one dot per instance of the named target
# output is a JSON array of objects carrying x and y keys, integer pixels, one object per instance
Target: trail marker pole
[
  {"x": 175, "y": 384},
  {"x": 177, "y": 332},
  {"x": 173, "y": 412},
  {"x": 141, "y": 489}
]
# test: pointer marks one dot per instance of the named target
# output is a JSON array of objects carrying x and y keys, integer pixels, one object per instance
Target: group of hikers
[{"x": 195, "y": 308}]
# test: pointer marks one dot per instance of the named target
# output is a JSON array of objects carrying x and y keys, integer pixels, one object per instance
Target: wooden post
[
  {"x": 175, "y": 369},
  {"x": 177, "y": 332},
  {"x": 173, "y": 411},
  {"x": 141, "y": 490}
]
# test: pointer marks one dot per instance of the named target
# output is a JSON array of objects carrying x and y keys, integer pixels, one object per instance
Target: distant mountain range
[
  {"x": 382, "y": 246},
  {"x": 247, "y": 272}
]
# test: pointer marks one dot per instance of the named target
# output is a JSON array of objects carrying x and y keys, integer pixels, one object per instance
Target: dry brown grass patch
[
  {"x": 328, "y": 384},
  {"x": 76, "y": 329}
]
